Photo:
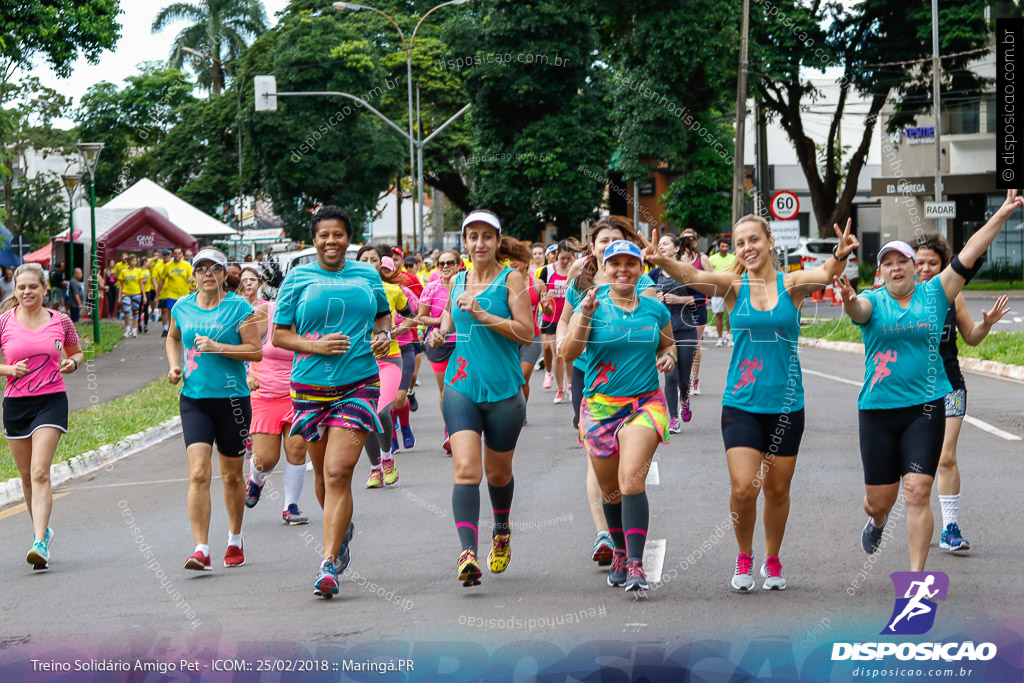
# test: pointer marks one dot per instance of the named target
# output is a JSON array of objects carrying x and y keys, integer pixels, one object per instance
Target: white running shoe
[
  {"x": 771, "y": 570},
  {"x": 720, "y": 342},
  {"x": 743, "y": 578}
]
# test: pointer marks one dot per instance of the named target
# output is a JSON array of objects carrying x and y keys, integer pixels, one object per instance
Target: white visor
[{"x": 483, "y": 217}]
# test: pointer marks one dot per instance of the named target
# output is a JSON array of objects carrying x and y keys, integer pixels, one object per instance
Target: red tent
[
  {"x": 142, "y": 231},
  {"x": 40, "y": 256}
]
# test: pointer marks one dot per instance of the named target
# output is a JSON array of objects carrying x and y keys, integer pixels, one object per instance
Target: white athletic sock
[
  {"x": 950, "y": 507},
  {"x": 166, "y": 328},
  {"x": 258, "y": 476},
  {"x": 235, "y": 540},
  {"x": 294, "y": 477},
  {"x": 386, "y": 455},
  {"x": 203, "y": 548}
]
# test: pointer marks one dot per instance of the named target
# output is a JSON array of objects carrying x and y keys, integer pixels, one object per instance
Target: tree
[
  {"x": 219, "y": 31},
  {"x": 131, "y": 122},
  {"x": 672, "y": 116},
  {"x": 865, "y": 41},
  {"x": 537, "y": 114},
  {"x": 319, "y": 150},
  {"x": 39, "y": 209}
]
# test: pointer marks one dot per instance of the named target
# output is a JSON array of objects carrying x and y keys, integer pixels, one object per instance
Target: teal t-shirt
[
  {"x": 902, "y": 363},
  {"x": 764, "y": 372},
  {"x": 212, "y": 375},
  {"x": 622, "y": 348},
  {"x": 485, "y": 365},
  {"x": 573, "y": 298},
  {"x": 319, "y": 302}
]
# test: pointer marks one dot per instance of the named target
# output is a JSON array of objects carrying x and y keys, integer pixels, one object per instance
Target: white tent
[{"x": 147, "y": 193}]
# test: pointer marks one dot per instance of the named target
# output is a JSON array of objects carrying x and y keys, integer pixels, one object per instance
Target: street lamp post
[
  {"x": 90, "y": 152},
  {"x": 71, "y": 182},
  {"x": 413, "y": 142}
]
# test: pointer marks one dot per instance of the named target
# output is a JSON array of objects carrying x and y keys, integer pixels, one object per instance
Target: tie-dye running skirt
[
  {"x": 601, "y": 418},
  {"x": 353, "y": 406}
]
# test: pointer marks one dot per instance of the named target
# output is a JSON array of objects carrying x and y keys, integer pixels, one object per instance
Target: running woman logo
[
  {"x": 881, "y": 361},
  {"x": 191, "y": 362},
  {"x": 747, "y": 368},
  {"x": 460, "y": 372},
  {"x": 914, "y": 613},
  {"x": 604, "y": 370}
]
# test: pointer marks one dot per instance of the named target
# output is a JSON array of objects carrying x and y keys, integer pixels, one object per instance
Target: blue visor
[{"x": 622, "y": 247}]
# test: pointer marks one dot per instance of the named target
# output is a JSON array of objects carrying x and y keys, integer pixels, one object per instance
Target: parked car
[
  {"x": 289, "y": 260},
  {"x": 813, "y": 252}
]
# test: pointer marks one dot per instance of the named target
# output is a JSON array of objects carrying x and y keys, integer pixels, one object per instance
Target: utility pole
[
  {"x": 940, "y": 223},
  {"x": 741, "y": 116},
  {"x": 763, "y": 186}
]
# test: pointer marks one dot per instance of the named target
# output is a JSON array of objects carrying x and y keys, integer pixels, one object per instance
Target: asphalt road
[{"x": 103, "y": 597}]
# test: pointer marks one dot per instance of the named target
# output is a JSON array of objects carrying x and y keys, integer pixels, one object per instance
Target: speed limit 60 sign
[{"x": 784, "y": 205}]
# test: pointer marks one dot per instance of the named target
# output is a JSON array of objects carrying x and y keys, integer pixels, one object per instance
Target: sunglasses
[
  {"x": 213, "y": 268},
  {"x": 445, "y": 264}
]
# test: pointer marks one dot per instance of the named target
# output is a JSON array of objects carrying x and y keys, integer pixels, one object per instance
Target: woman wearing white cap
[
  {"x": 628, "y": 339},
  {"x": 213, "y": 333},
  {"x": 482, "y": 394},
  {"x": 901, "y": 404}
]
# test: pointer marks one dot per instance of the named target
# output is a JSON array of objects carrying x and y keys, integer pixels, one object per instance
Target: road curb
[
  {"x": 93, "y": 461},
  {"x": 990, "y": 368}
]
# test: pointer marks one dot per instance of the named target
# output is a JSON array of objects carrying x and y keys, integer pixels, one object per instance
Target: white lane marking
[
  {"x": 133, "y": 483},
  {"x": 653, "y": 475},
  {"x": 1018, "y": 319},
  {"x": 832, "y": 377},
  {"x": 654, "y": 558},
  {"x": 981, "y": 424}
]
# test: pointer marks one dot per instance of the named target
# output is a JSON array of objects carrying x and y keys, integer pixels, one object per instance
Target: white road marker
[
  {"x": 654, "y": 558},
  {"x": 653, "y": 475},
  {"x": 832, "y": 377},
  {"x": 981, "y": 424}
]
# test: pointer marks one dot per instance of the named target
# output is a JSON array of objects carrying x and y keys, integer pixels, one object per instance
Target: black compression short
[{"x": 899, "y": 441}]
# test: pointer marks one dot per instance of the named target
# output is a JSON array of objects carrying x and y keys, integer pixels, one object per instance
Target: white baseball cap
[
  {"x": 482, "y": 217},
  {"x": 210, "y": 254},
  {"x": 896, "y": 245}
]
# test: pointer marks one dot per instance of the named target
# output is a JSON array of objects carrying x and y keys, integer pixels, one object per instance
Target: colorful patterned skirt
[
  {"x": 353, "y": 406},
  {"x": 603, "y": 416}
]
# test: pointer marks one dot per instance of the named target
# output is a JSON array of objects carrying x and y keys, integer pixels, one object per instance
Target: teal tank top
[
  {"x": 764, "y": 371},
  {"x": 485, "y": 365}
]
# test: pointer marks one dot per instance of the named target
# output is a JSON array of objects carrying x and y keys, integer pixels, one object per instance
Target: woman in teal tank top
[
  {"x": 483, "y": 399},
  {"x": 763, "y": 402}
]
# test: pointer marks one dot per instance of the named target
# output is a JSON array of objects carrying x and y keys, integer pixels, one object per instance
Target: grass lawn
[
  {"x": 91, "y": 428},
  {"x": 110, "y": 334},
  {"x": 1004, "y": 347},
  {"x": 997, "y": 286}
]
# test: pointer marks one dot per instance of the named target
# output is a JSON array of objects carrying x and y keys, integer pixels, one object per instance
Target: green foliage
[
  {"x": 110, "y": 334},
  {"x": 534, "y": 123},
  {"x": 39, "y": 209},
  {"x": 131, "y": 122},
  {"x": 319, "y": 150},
  {"x": 700, "y": 199}
]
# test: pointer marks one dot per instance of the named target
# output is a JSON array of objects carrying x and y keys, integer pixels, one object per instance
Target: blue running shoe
[
  {"x": 951, "y": 540},
  {"x": 38, "y": 556},
  {"x": 326, "y": 585},
  {"x": 344, "y": 556},
  {"x": 394, "y": 443},
  {"x": 871, "y": 536},
  {"x": 252, "y": 493},
  {"x": 414, "y": 405},
  {"x": 617, "y": 573},
  {"x": 293, "y": 515},
  {"x": 408, "y": 438}
]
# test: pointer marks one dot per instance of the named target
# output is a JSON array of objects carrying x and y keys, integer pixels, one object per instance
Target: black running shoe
[{"x": 871, "y": 536}]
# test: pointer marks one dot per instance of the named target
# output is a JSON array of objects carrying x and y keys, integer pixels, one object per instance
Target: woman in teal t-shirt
[
  {"x": 482, "y": 392},
  {"x": 212, "y": 334},
  {"x": 628, "y": 339},
  {"x": 902, "y": 402},
  {"x": 763, "y": 401},
  {"x": 333, "y": 313},
  {"x": 584, "y": 273}
]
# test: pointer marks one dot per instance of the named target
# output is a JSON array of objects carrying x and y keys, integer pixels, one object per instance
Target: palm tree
[{"x": 218, "y": 34}]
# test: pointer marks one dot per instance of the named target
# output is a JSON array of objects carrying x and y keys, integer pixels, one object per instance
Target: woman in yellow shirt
[{"x": 131, "y": 283}]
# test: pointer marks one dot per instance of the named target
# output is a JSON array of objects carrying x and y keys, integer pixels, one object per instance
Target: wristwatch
[
  {"x": 386, "y": 333},
  {"x": 835, "y": 254}
]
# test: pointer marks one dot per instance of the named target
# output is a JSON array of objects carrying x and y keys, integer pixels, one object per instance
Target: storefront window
[{"x": 965, "y": 119}]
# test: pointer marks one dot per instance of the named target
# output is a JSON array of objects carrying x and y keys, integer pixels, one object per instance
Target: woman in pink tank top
[
  {"x": 270, "y": 383},
  {"x": 32, "y": 339}
]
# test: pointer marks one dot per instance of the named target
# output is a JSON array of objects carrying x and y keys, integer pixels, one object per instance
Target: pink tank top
[
  {"x": 275, "y": 370},
  {"x": 557, "y": 285}
]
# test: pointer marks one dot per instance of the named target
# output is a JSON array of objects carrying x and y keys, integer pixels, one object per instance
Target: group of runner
[
  {"x": 149, "y": 288},
  {"x": 321, "y": 369}
]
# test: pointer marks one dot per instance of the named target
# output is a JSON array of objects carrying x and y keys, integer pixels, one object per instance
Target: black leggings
[
  {"x": 578, "y": 379},
  {"x": 677, "y": 383},
  {"x": 899, "y": 441},
  {"x": 500, "y": 421}
]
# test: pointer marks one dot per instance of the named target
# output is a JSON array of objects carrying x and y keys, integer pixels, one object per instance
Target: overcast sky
[{"x": 137, "y": 44}]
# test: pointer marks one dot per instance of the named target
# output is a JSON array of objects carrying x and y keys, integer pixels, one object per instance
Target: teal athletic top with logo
[
  {"x": 902, "y": 363},
  {"x": 622, "y": 346},
  {"x": 319, "y": 302},
  {"x": 764, "y": 371},
  {"x": 485, "y": 365},
  {"x": 573, "y": 298},
  {"x": 212, "y": 375}
]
